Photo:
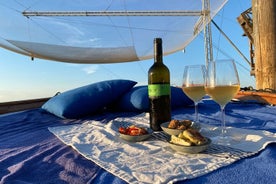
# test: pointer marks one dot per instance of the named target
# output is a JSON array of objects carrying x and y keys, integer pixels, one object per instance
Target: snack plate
[
  {"x": 171, "y": 131},
  {"x": 190, "y": 149},
  {"x": 136, "y": 138}
]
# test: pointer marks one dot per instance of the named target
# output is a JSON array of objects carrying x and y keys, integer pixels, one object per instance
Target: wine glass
[
  {"x": 193, "y": 84},
  {"x": 222, "y": 84}
]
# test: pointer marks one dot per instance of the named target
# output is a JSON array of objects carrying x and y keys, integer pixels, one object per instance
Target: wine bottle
[{"x": 159, "y": 89}]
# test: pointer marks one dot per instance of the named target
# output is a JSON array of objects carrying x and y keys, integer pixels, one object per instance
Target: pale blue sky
[{"x": 22, "y": 78}]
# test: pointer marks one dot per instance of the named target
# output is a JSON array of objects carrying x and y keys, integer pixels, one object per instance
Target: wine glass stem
[
  {"x": 223, "y": 126},
  {"x": 196, "y": 112}
]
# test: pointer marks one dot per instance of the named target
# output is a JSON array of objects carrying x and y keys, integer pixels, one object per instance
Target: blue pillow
[
  {"x": 86, "y": 100},
  {"x": 137, "y": 99}
]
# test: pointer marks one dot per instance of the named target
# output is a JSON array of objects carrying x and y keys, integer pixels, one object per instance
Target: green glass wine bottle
[{"x": 159, "y": 89}]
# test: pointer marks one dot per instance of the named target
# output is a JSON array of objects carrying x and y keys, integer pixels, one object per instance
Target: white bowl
[
  {"x": 136, "y": 138},
  {"x": 191, "y": 149},
  {"x": 172, "y": 131}
]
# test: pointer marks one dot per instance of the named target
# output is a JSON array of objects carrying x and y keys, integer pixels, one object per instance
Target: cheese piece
[
  {"x": 194, "y": 136},
  {"x": 180, "y": 141}
]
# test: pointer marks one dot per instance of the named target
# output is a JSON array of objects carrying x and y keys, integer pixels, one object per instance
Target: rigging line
[
  {"x": 242, "y": 66},
  {"x": 108, "y": 6},
  {"x": 29, "y": 35},
  {"x": 55, "y": 36},
  {"x": 20, "y": 12},
  {"x": 132, "y": 39},
  {"x": 6, "y": 6},
  {"x": 110, "y": 71},
  {"x": 142, "y": 68},
  {"x": 227, "y": 55},
  {"x": 25, "y": 8},
  {"x": 225, "y": 18},
  {"x": 117, "y": 29},
  {"x": 220, "y": 33},
  {"x": 231, "y": 42},
  {"x": 19, "y": 3},
  {"x": 118, "y": 26},
  {"x": 129, "y": 27}
]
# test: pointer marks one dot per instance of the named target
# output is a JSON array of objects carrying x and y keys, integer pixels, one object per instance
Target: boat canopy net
[{"x": 101, "y": 31}]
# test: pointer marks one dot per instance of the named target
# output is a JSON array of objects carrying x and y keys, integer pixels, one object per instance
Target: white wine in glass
[
  {"x": 193, "y": 84},
  {"x": 222, "y": 84}
]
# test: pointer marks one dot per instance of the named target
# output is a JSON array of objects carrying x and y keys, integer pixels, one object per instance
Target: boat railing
[{"x": 14, "y": 106}]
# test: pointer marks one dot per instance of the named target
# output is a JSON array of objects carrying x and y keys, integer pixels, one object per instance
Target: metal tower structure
[{"x": 207, "y": 31}]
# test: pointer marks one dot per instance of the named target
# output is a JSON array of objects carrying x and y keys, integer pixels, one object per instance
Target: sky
[{"x": 22, "y": 78}]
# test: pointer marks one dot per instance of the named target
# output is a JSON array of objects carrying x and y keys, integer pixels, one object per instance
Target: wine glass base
[{"x": 222, "y": 140}]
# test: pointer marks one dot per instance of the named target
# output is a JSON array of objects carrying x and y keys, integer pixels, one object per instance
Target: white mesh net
[{"x": 107, "y": 37}]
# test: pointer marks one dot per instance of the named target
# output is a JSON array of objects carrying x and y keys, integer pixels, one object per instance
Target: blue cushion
[
  {"x": 86, "y": 100},
  {"x": 137, "y": 99}
]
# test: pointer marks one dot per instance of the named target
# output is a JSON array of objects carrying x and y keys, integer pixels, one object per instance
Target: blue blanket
[{"x": 29, "y": 153}]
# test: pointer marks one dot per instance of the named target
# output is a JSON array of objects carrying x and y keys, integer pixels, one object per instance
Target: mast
[
  {"x": 207, "y": 32},
  {"x": 264, "y": 26}
]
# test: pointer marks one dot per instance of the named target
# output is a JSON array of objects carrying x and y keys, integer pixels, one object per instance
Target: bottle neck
[{"x": 158, "y": 51}]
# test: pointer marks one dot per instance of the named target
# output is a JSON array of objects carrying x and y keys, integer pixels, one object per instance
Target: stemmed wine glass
[
  {"x": 222, "y": 84},
  {"x": 193, "y": 84}
]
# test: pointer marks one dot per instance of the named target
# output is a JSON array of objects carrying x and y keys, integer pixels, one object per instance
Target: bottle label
[{"x": 155, "y": 90}]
